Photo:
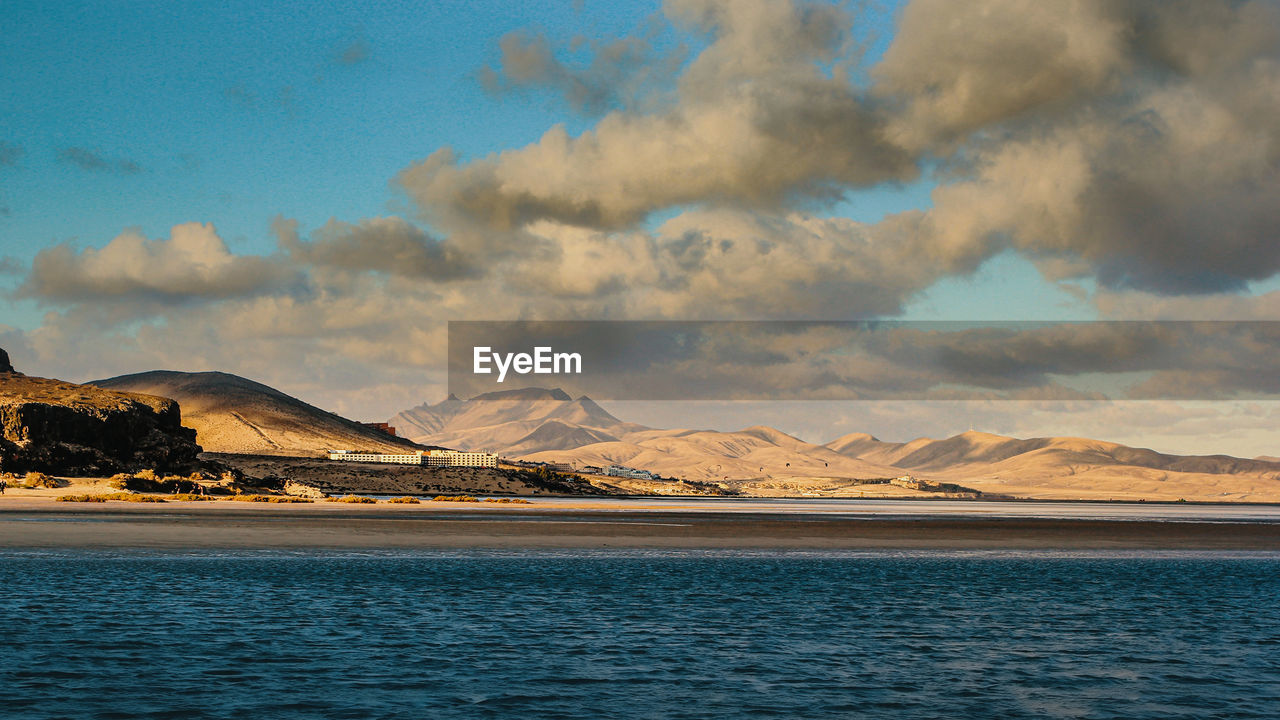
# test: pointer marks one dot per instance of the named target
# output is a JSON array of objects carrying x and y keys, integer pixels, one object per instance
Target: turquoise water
[{"x": 638, "y": 635}]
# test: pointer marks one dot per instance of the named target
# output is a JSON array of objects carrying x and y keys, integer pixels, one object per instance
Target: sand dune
[{"x": 231, "y": 414}]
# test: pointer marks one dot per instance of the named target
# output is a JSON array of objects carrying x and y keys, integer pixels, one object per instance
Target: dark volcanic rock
[
  {"x": 79, "y": 430},
  {"x": 5, "y": 367}
]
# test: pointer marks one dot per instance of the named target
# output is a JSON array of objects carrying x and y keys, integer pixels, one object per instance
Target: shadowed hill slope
[{"x": 232, "y": 414}]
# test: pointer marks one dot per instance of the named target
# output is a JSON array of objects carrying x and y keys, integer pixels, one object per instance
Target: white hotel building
[{"x": 430, "y": 458}]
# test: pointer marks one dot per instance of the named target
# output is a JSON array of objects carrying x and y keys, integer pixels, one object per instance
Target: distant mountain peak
[
  {"x": 769, "y": 434},
  {"x": 525, "y": 394},
  {"x": 506, "y": 419}
]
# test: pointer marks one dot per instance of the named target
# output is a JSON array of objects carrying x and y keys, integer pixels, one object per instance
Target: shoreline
[{"x": 34, "y": 523}]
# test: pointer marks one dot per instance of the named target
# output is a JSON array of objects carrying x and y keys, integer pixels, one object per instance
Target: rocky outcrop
[
  {"x": 67, "y": 429},
  {"x": 303, "y": 490},
  {"x": 5, "y": 367}
]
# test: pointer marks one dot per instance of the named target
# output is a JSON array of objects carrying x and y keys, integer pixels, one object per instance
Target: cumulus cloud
[
  {"x": 912, "y": 361},
  {"x": 193, "y": 263},
  {"x": 739, "y": 264},
  {"x": 727, "y": 264},
  {"x": 1132, "y": 142},
  {"x": 1133, "y": 305},
  {"x": 388, "y": 245},
  {"x": 1135, "y": 142},
  {"x": 95, "y": 162},
  {"x": 954, "y": 68},
  {"x": 758, "y": 122}
]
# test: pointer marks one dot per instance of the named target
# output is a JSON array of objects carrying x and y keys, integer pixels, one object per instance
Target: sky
[{"x": 306, "y": 193}]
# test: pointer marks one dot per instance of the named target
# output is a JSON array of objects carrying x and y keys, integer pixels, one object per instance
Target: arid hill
[
  {"x": 231, "y": 414},
  {"x": 62, "y": 428},
  {"x": 1062, "y": 467},
  {"x": 512, "y": 422},
  {"x": 549, "y": 426}
]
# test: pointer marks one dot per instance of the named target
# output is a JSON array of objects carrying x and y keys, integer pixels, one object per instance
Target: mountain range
[
  {"x": 236, "y": 415},
  {"x": 550, "y": 426}
]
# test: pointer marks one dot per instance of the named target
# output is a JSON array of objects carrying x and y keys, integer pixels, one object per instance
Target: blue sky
[
  {"x": 234, "y": 113},
  {"x": 919, "y": 159},
  {"x": 237, "y": 112}
]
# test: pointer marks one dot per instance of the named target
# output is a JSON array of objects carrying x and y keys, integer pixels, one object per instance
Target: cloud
[
  {"x": 875, "y": 361},
  {"x": 738, "y": 264},
  {"x": 388, "y": 245},
  {"x": 620, "y": 73},
  {"x": 758, "y": 122},
  {"x": 10, "y": 154},
  {"x": 1133, "y": 305},
  {"x": 93, "y": 162},
  {"x": 192, "y": 264},
  {"x": 953, "y": 69},
  {"x": 1134, "y": 142},
  {"x": 353, "y": 53}
]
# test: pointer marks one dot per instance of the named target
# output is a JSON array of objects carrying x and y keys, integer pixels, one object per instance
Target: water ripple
[{"x": 644, "y": 634}]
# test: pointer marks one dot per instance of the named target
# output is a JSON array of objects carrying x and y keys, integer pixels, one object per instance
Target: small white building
[
  {"x": 430, "y": 458},
  {"x": 413, "y": 458},
  {"x": 628, "y": 472},
  {"x": 456, "y": 458}
]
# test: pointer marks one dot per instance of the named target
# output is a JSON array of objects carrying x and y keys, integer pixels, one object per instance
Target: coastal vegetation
[
  {"x": 404, "y": 500},
  {"x": 150, "y": 481},
  {"x": 122, "y": 496},
  {"x": 357, "y": 499},
  {"x": 247, "y": 497},
  {"x": 39, "y": 480},
  {"x": 455, "y": 498},
  {"x": 30, "y": 481},
  {"x": 556, "y": 482}
]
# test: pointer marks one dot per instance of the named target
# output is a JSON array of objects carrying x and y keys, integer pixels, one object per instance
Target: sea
[{"x": 638, "y": 634}]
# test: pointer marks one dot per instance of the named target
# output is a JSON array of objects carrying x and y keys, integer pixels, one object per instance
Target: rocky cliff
[{"x": 67, "y": 429}]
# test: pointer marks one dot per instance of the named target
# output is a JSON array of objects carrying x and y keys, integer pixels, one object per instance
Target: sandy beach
[{"x": 39, "y": 522}]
